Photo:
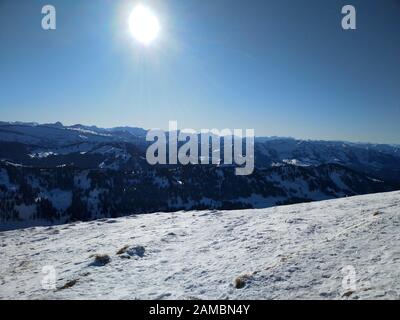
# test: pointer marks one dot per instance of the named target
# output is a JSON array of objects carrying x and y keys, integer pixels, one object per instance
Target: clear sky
[{"x": 284, "y": 67}]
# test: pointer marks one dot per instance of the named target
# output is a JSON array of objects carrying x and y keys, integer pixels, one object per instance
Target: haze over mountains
[{"x": 53, "y": 173}]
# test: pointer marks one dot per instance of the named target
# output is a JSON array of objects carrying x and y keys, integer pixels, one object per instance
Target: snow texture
[{"x": 290, "y": 252}]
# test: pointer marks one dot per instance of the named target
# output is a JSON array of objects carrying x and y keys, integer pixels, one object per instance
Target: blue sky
[{"x": 284, "y": 68}]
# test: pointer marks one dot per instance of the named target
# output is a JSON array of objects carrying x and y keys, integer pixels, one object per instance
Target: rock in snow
[{"x": 337, "y": 249}]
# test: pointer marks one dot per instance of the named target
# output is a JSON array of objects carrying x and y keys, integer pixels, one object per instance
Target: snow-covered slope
[{"x": 288, "y": 252}]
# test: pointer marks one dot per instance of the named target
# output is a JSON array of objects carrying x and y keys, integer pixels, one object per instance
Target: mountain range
[{"x": 51, "y": 173}]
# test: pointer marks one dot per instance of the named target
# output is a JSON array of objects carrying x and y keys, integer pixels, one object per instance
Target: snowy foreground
[{"x": 288, "y": 252}]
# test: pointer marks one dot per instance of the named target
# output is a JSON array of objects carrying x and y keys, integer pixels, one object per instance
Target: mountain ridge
[{"x": 46, "y": 162}]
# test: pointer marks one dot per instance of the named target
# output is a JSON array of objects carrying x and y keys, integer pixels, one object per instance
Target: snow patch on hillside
[{"x": 287, "y": 252}]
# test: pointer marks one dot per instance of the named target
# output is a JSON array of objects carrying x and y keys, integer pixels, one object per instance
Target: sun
[{"x": 144, "y": 25}]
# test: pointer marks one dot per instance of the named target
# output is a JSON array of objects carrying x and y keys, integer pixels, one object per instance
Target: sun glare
[{"x": 144, "y": 25}]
